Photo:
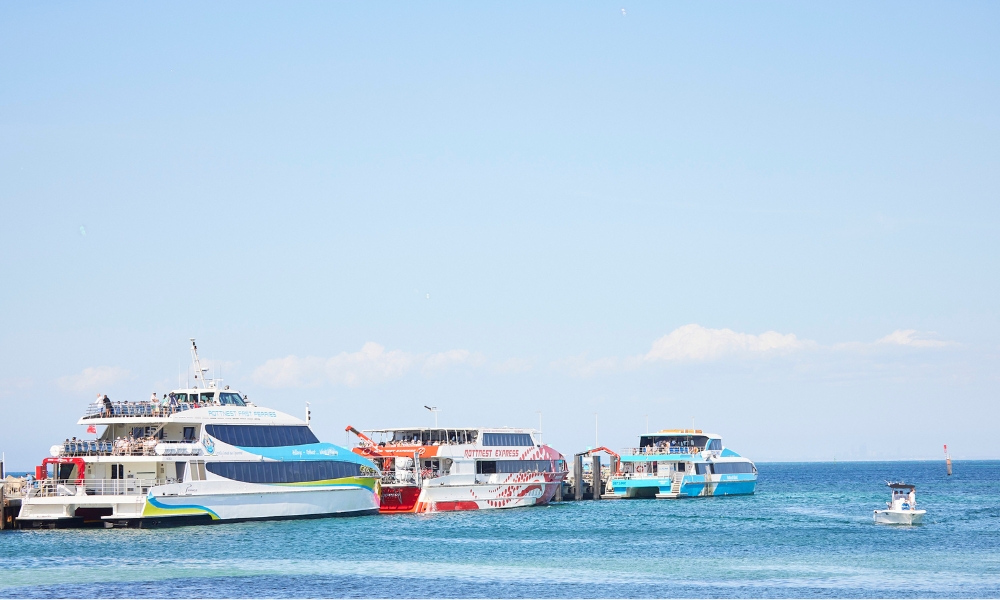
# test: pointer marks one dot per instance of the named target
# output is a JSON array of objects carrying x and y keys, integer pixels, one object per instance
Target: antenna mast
[{"x": 199, "y": 373}]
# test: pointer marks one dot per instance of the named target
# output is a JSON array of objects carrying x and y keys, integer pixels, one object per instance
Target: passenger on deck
[{"x": 108, "y": 409}]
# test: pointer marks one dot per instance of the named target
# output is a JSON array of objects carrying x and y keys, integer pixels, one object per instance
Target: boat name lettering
[
  {"x": 241, "y": 413},
  {"x": 492, "y": 453}
]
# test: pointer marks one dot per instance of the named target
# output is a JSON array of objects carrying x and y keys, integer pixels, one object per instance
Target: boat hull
[
  {"x": 692, "y": 486},
  {"x": 439, "y": 496},
  {"x": 211, "y": 502},
  {"x": 899, "y": 517}
]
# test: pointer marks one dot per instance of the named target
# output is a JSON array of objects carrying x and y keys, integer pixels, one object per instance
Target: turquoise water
[{"x": 808, "y": 532}]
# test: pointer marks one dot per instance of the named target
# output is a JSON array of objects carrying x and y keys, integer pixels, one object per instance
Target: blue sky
[{"x": 778, "y": 219}]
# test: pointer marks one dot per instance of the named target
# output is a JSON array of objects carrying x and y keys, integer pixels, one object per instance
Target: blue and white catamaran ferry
[
  {"x": 681, "y": 463},
  {"x": 200, "y": 455}
]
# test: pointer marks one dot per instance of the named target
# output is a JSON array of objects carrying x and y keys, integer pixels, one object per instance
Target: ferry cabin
[
  {"x": 681, "y": 463},
  {"x": 199, "y": 455}
]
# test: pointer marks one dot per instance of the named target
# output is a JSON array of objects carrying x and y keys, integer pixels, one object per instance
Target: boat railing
[
  {"x": 129, "y": 447},
  {"x": 47, "y": 488},
  {"x": 661, "y": 450},
  {"x": 638, "y": 476},
  {"x": 137, "y": 409},
  {"x": 15, "y": 487},
  {"x": 397, "y": 477}
]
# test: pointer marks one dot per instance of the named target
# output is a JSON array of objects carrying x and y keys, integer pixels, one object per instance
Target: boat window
[
  {"x": 507, "y": 439},
  {"x": 715, "y": 444},
  {"x": 485, "y": 467},
  {"x": 189, "y": 434},
  {"x": 733, "y": 467},
  {"x": 262, "y": 436},
  {"x": 181, "y": 397},
  {"x": 206, "y": 398},
  {"x": 703, "y": 468},
  {"x": 285, "y": 472},
  {"x": 230, "y": 399}
]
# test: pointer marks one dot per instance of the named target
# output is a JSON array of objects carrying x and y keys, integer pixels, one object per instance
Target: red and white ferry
[{"x": 426, "y": 469}]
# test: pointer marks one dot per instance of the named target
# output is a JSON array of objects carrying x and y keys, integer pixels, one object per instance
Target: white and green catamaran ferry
[
  {"x": 681, "y": 463},
  {"x": 199, "y": 455}
]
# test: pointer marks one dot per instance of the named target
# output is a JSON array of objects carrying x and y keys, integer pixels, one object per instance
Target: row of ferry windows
[
  {"x": 284, "y": 472},
  {"x": 719, "y": 468},
  {"x": 262, "y": 436},
  {"x": 486, "y": 467},
  {"x": 507, "y": 439},
  {"x": 723, "y": 468},
  {"x": 460, "y": 436}
]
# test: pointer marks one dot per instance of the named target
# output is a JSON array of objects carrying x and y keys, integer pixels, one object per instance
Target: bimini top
[{"x": 900, "y": 485}]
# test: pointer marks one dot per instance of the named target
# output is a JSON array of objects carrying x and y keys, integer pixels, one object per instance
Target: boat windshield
[{"x": 231, "y": 399}]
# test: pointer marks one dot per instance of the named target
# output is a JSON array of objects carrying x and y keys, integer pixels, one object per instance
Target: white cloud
[
  {"x": 444, "y": 360},
  {"x": 690, "y": 343},
  {"x": 696, "y": 343},
  {"x": 372, "y": 364},
  {"x": 93, "y": 379},
  {"x": 910, "y": 337}
]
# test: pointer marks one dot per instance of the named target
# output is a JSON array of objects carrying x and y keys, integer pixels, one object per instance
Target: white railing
[
  {"x": 93, "y": 487},
  {"x": 639, "y": 476},
  {"x": 15, "y": 488},
  {"x": 129, "y": 447},
  {"x": 138, "y": 409},
  {"x": 662, "y": 450}
]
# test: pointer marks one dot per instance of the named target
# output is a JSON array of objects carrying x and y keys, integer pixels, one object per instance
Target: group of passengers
[
  {"x": 415, "y": 440},
  {"x": 169, "y": 404},
  {"x": 154, "y": 407},
  {"x": 125, "y": 446},
  {"x": 671, "y": 447},
  {"x": 121, "y": 446}
]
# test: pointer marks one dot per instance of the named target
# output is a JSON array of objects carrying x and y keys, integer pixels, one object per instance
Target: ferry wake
[{"x": 200, "y": 455}]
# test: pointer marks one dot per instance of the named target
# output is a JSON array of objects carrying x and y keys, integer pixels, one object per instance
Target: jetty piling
[
  {"x": 578, "y": 477},
  {"x": 595, "y": 472}
]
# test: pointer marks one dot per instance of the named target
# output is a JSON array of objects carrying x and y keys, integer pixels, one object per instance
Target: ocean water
[{"x": 807, "y": 532}]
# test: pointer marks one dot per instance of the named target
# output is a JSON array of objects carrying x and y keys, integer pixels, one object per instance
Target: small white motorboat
[{"x": 902, "y": 509}]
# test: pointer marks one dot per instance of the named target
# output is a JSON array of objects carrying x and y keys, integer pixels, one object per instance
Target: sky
[{"x": 778, "y": 222}]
